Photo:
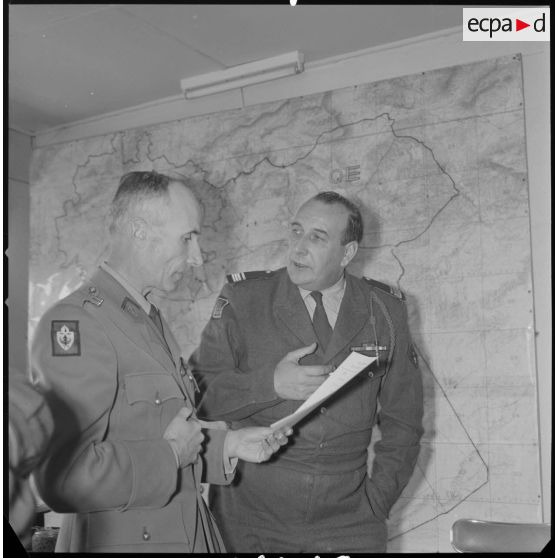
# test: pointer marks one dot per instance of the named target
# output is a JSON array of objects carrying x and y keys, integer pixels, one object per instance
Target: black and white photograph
[{"x": 278, "y": 278}]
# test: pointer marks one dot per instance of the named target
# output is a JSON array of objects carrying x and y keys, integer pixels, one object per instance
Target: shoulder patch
[
  {"x": 64, "y": 337},
  {"x": 393, "y": 291},
  {"x": 243, "y": 276},
  {"x": 220, "y": 304}
]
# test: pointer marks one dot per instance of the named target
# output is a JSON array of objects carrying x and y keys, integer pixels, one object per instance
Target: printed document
[{"x": 346, "y": 371}]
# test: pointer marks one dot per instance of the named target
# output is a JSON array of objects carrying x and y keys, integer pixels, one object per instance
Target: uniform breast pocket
[
  {"x": 150, "y": 402},
  {"x": 354, "y": 405}
]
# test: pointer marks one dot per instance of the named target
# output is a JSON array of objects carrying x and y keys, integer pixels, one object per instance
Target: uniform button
[
  {"x": 157, "y": 401},
  {"x": 371, "y": 374},
  {"x": 323, "y": 444},
  {"x": 201, "y": 489},
  {"x": 146, "y": 536},
  {"x": 323, "y": 410}
]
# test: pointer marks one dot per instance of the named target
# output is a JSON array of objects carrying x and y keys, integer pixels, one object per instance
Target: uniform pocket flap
[
  {"x": 376, "y": 370},
  {"x": 151, "y": 387},
  {"x": 139, "y": 530}
]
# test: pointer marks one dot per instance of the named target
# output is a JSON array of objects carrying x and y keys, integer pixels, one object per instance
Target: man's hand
[
  {"x": 254, "y": 443},
  {"x": 185, "y": 437},
  {"x": 294, "y": 381}
]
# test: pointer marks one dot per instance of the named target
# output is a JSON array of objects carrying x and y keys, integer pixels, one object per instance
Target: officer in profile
[
  {"x": 128, "y": 452},
  {"x": 315, "y": 495}
]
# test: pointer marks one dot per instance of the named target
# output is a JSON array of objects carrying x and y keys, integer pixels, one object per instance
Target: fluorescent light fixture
[{"x": 260, "y": 71}]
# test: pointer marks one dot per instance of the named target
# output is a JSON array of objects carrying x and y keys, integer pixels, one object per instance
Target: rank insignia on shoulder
[
  {"x": 220, "y": 304},
  {"x": 242, "y": 276},
  {"x": 93, "y": 296},
  {"x": 64, "y": 336},
  {"x": 393, "y": 291}
]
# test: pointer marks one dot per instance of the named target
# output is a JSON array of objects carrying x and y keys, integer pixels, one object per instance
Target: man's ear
[
  {"x": 138, "y": 228},
  {"x": 351, "y": 249}
]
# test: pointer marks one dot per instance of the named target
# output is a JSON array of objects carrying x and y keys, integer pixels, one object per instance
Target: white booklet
[{"x": 346, "y": 371}]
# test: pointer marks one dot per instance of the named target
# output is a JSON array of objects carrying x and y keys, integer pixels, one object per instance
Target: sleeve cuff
[
  {"x": 263, "y": 387},
  {"x": 216, "y": 460},
  {"x": 229, "y": 465}
]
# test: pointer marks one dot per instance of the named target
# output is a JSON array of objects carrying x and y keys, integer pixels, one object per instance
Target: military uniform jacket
[
  {"x": 254, "y": 324},
  {"x": 114, "y": 386}
]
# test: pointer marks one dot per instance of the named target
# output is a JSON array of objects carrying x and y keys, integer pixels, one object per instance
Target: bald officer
[
  {"x": 128, "y": 452},
  {"x": 314, "y": 495}
]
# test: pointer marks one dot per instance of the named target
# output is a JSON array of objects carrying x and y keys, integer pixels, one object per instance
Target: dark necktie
[{"x": 321, "y": 324}]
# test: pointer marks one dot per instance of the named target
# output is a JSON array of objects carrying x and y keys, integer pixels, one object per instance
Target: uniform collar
[{"x": 143, "y": 303}]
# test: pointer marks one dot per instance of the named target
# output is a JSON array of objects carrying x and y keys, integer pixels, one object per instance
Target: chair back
[{"x": 473, "y": 535}]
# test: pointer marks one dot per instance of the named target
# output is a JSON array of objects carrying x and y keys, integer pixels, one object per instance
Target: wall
[
  {"x": 19, "y": 152},
  {"x": 408, "y": 58}
]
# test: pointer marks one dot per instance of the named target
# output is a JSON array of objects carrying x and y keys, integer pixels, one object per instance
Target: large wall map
[{"x": 438, "y": 161}]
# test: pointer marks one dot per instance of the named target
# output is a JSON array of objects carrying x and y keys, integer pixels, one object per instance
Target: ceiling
[{"x": 76, "y": 61}]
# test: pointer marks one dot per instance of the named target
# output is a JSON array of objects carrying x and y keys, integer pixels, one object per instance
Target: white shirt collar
[
  {"x": 335, "y": 291},
  {"x": 332, "y": 298}
]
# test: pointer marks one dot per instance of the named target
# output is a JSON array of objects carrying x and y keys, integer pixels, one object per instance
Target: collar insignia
[{"x": 132, "y": 308}]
